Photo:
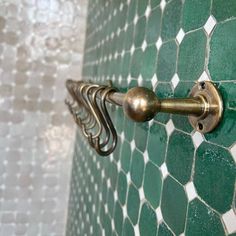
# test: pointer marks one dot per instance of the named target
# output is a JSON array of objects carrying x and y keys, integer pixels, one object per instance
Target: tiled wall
[
  {"x": 41, "y": 44},
  {"x": 163, "y": 178}
]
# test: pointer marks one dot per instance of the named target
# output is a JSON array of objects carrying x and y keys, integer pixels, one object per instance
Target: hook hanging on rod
[{"x": 204, "y": 108}]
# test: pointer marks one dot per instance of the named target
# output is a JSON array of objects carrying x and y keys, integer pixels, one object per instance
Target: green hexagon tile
[{"x": 163, "y": 178}]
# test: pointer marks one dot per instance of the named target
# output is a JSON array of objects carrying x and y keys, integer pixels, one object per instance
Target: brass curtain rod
[{"x": 203, "y": 106}]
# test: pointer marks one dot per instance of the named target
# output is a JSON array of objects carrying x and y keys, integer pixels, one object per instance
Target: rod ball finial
[{"x": 140, "y": 104}]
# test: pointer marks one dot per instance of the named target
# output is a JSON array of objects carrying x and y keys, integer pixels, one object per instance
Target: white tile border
[
  {"x": 210, "y": 24},
  {"x": 229, "y": 219},
  {"x": 190, "y": 191},
  {"x": 180, "y": 36},
  {"x": 170, "y": 127}
]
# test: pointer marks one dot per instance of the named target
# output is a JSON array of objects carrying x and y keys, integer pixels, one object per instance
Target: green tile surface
[
  {"x": 143, "y": 187},
  {"x": 202, "y": 220},
  {"x": 140, "y": 135},
  {"x": 118, "y": 218},
  {"x": 167, "y": 61},
  {"x": 215, "y": 170},
  {"x": 136, "y": 63},
  {"x": 164, "y": 231},
  {"x": 131, "y": 11},
  {"x": 171, "y": 20},
  {"x": 179, "y": 157},
  {"x": 157, "y": 143},
  {"x": 122, "y": 187},
  {"x": 152, "y": 177},
  {"x": 192, "y": 55},
  {"x": 222, "y": 47},
  {"x": 133, "y": 202},
  {"x": 223, "y": 10},
  {"x": 142, "y": 5},
  {"x": 125, "y": 156},
  {"x": 149, "y": 62},
  {"x": 153, "y": 25},
  {"x": 174, "y": 205},
  {"x": 195, "y": 14},
  {"x": 128, "y": 37},
  {"x": 139, "y": 32},
  {"x": 148, "y": 221},
  {"x": 128, "y": 229},
  {"x": 154, "y": 3}
]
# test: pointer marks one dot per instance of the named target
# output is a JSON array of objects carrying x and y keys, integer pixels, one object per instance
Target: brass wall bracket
[{"x": 203, "y": 107}]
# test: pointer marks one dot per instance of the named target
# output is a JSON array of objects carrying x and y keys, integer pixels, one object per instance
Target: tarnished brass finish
[
  {"x": 204, "y": 105},
  {"x": 204, "y": 108},
  {"x": 183, "y": 106},
  {"x": 94, "y": 121},
  {"x": 140, "y": 104},
  {"x": 213, "y": 107}
]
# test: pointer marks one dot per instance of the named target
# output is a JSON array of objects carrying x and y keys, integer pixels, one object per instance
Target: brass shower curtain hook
[
  {"x": 85, "y": 95},
  {"x": 74, "y": 109},
  {"x": 99, "y": 113},
  {"x": 88, "y": 122},
  {"x": 109, "y": 123},
  {"x": 72, "y": 88}
]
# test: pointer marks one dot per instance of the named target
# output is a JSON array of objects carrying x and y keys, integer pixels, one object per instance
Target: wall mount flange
[{"x": 213, "y": 108}]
